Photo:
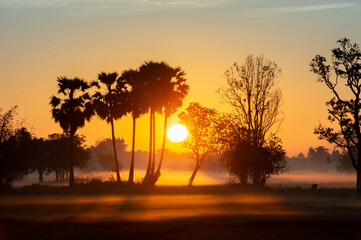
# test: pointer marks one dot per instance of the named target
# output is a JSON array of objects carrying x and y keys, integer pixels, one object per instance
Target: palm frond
[{"x": 54, "y": 102}]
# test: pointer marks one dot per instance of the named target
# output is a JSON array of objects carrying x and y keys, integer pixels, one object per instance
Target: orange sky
[{"x": 42, "y": 39}]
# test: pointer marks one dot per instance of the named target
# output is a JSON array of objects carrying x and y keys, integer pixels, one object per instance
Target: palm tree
[
  {"x": 137, "y": 106},
  {"x": 173, "y": 90},
  {"x": 149, "y": 72},
  {"x": 110, "y": 103},
  {"x": 167, "y": 89},
  {"x": 70, "y": 109}
]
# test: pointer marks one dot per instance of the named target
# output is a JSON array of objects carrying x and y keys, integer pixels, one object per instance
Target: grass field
[{"x": 209, "y": 212}]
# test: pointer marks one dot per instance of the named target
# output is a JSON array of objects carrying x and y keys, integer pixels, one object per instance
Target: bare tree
[
  {"x": 253, "y": 152},
  {"x": 251, "y": 90},
  {"x": 343, "y": 109}
]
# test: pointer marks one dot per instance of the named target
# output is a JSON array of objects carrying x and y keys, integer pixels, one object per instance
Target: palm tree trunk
[
  {"x": 157, "y": 174},
  {"x": 71, "y": 163},
  {"x": 115, "y": 151},
  {"x": 153, "y": 162},
  {"x": 131, "y": 168},
  {"x": 150, "y": 148}
]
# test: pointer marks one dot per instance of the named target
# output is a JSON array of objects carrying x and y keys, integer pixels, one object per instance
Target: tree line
[
  {"x": 155, "y": 87},
  {"x": 321, "y": 159},
  {"x": 22, "y": 153},
  {"x": 246, "y": 139}
]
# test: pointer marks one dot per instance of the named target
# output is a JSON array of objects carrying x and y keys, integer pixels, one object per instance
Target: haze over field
[
  {"x": 45, "y": 39},
  {"x": 303, "y": 172}
]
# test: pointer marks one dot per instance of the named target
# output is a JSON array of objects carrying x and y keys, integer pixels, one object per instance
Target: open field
[
  {"x": 213, "y": 212},
  {"x": 289, "y": 179}
]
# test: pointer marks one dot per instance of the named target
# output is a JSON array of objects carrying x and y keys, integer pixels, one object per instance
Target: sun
[{"x": 177, "y": 133}]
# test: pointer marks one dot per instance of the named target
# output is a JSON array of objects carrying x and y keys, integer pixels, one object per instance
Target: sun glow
[{"x": 177, "y": 133}]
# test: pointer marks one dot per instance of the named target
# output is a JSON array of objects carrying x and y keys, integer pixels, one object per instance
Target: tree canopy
[{"x": 200, "y": 122}]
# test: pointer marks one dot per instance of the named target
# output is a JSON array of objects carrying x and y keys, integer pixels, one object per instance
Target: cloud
[
  {"x": 136, "y": 6},
  {"x": 315, "y": 7},
  {"x": 124, "y": 5},
  {"x": 278, "y": 11}
]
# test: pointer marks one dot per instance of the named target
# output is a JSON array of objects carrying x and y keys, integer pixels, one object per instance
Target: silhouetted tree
[
  {"x": 111, "y": 103},
  {"x": 343, "y": 109},
  {"x": 166, "y": 91},
  {"x": 38, "y": 157},
  {"x": 319, "y": 155},
  {"x": 13, "y": 157},
  {"x": 231, "y": 143},
  {"x": 103, "y": 152},
  {"x": 149, "y": 72},
  {"x": 228, "y": 132},
  {"x": 14, "y": 153},
  {"x": 59, "y": 152},
  {"x": 270, "y": 160},
  {"x": 317, "y": 159},
  {"x": 58, "y": 146},
  {"x": 200, "y": 123},
  {"x": 250, "y": 163},
  {"x": 234, "y": 148},
  {"x": 7, "y": 124},
  {"x": 70, "y": 109},
  {"x": 172, "y": 92},
  {"x": 343, "y": 161},
  {"x": 239, "y": 160},
  {"x": 252, "y": 92},
  {"x": 254, "y": 153},
  {"x": 14, "y": 143},
  {"x": 137, "y": 105}
]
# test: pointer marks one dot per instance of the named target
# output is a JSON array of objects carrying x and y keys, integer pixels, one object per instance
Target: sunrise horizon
[
  {"x": 180, "y": 119},
  {"x": 204, "y": 50}
]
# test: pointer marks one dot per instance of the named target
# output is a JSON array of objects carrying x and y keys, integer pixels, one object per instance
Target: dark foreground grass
[
  {"x": 212, "y": 212},
  {"x": 211, "y": 227}
]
